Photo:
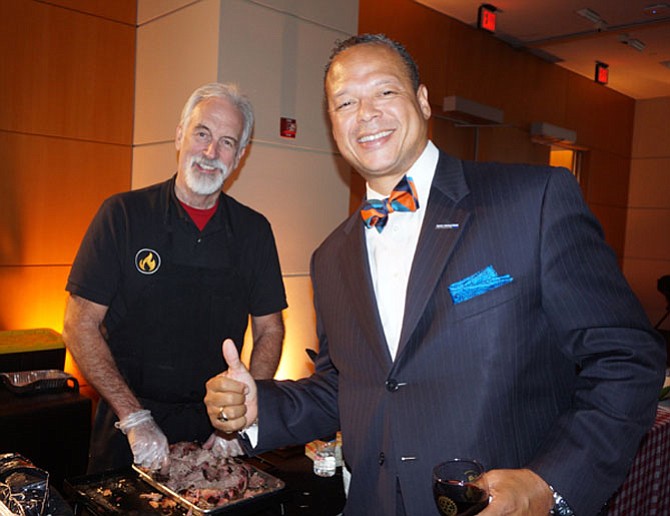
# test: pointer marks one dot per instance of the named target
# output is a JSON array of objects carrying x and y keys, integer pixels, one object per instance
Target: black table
[
  {"x": 305, "y": 493},
  {"x": 308, "y": 494},
  {"x": 52, "y": 430}
]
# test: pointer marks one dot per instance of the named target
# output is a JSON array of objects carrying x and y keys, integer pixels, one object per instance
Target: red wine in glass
[{"x": 459, "y": 488}]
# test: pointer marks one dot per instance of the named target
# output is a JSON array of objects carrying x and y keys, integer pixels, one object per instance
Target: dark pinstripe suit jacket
[{"x": 557, "y": 371}]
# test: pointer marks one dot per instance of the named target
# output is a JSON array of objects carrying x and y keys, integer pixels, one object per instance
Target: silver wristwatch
[{"x": 561, "y": 507}]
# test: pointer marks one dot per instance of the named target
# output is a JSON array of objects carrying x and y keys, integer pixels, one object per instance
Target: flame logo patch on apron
[{"x": 147, "y": 261}]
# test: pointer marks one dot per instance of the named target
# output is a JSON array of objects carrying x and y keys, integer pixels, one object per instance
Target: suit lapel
[
  {"x": 356, "y": 275},
  {"x": 446, "y": 217}
]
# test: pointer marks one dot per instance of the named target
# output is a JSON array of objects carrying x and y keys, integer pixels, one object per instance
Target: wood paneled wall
[
  {"x": 647, "y": 256},
  {"x": 65, "y": 140},
  {"x": 456, "y": 59},
  {"x": 67, "y": 85}
]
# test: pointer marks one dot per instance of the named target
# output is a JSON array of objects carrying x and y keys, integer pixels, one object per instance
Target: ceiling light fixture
[
  {"x": 656, "y": 9},
  {"x": 593, "y": 17},
  {"x": 632, "y": 42}
]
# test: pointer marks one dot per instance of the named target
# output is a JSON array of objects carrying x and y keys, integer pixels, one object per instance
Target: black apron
[{"x": 169, "y": 345}]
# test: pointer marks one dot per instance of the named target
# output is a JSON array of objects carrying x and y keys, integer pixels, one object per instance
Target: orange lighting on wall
[{"x": 300, "y": 334}]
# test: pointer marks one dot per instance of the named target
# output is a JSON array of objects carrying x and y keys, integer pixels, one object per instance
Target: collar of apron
[{"x": 173, "y": 210}]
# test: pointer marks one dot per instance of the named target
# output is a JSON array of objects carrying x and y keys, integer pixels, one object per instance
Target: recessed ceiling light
[{"x": 656, "y": 9}]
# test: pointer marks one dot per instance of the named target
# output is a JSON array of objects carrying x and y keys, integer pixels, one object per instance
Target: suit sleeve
[
  {"x": 297, "y": 412},
  {"x": 603, "y": 329}
]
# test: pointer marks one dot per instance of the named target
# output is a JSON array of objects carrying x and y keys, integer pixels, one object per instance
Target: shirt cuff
[{"x": 251, "y": 434}]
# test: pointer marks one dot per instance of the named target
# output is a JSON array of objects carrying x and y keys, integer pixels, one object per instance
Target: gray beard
[{"x": 205, "y": 184}]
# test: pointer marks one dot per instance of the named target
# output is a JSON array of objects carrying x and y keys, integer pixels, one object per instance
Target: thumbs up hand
[{"x": 231, "y": 396}]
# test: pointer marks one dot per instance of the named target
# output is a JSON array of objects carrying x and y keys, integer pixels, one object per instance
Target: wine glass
[{"x": 460, "y": 488}]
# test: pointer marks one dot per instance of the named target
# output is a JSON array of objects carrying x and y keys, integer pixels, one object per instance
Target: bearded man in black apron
[{"x": 163, "y": 275}]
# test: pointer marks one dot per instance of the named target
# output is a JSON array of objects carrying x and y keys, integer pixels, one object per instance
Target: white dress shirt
[
  {"x": 390, "y": 255},
  {"x": 391, "y": 252}
]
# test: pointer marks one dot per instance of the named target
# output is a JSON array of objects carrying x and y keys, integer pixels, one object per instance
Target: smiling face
[
  {"x": 379, "y": 122},
  {"x": 208, "y": 149}
]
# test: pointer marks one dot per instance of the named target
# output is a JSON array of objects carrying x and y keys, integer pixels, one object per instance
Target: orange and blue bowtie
[{"x": 375, "y": 212}]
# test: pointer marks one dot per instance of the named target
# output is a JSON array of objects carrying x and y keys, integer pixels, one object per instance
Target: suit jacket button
[
  {"x": 382, "y": 458},
  {"x": 391, "y": 385}
]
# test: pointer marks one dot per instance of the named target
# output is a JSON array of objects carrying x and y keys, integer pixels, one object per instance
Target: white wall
[{"x": 275, "y": 50}]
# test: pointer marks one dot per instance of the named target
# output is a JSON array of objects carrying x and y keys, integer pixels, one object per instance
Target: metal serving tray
[
  {"x": 272, "y": 486},
  {"x": 113, "y": 493},
  {"x": 43, "y": 380}
]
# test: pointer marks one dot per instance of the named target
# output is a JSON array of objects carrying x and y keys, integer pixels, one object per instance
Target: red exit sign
[
  {"x": 486, "y": 17},
  {"x": 602, "y": 73}
]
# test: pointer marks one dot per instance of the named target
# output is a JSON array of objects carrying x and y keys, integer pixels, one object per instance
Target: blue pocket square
[{"x": 477, "y": 284}]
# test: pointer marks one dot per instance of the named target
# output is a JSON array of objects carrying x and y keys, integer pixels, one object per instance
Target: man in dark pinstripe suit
[{"x": 492, "y": 322}]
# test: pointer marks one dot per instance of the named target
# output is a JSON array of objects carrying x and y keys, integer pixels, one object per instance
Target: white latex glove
[
  {"x": 147, "y": 441},
  {"x": 224, "y": 447}
]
